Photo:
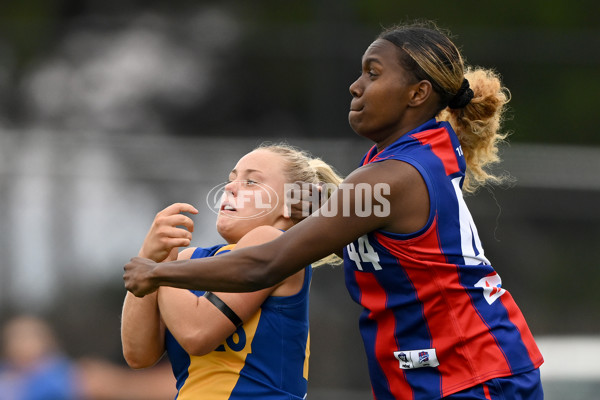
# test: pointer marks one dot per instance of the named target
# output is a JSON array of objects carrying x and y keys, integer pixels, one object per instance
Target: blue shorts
[{"x": 525, "y": 386}]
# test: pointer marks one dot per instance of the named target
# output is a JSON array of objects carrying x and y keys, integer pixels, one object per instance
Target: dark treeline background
[{"x": 286, "y": 63}]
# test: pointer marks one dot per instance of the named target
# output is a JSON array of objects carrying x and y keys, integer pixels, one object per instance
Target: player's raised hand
[{"x": 170, "y": 229}]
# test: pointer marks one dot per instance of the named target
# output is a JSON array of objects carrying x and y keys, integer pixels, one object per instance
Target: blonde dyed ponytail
[
  {"x": 477, "y": 126},
  {"x": 471, "y": 99}
]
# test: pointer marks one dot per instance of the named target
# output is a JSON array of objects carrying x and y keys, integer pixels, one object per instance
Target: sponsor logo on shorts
[
  {"x": 492, "y": 287},
  {"x": 410, "y": 359}
]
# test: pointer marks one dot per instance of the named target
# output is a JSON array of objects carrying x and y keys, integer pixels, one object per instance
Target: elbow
[
  {"x": 198, "y": 345},
  {"x": 196, "y": 350},
  {"x": 136, "y": 361},
  {"x": 272, "y": 271},
  {"x": 263, "y": 277},
  {"x": 138, "y": 358},
  {"x": 134, "y": 364},
  {"x": 259, "y": 267}
]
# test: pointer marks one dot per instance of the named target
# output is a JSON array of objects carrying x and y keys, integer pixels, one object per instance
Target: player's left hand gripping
[
  {"x": 138, "y": 276},
  {"x": 301, "y": 200}
]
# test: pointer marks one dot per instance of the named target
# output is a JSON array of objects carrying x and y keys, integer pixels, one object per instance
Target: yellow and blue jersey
[{"x": 265, "y": 358}]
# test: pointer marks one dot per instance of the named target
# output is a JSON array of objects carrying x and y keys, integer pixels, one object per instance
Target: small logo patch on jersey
[
  {"x": 492, "y": 287},
  {"x": 410, "y": 359}
]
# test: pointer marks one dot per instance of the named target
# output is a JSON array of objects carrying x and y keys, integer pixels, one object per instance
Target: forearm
[
  {"x": 142, "y": 333},
  {"x": 246, "y": 271}
]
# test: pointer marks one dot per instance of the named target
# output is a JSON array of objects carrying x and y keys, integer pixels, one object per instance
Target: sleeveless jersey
[
  {"x": 265, "y": 358},
  {"x": 436, "y": 319}
]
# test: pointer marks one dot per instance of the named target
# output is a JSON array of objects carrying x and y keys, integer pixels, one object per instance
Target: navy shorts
[{"x": 525, "y": 386}]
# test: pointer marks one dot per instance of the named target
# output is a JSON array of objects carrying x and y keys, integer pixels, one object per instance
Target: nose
[
  {"x": 231, "y": 187},
  {"x": 355, "y": 89}
]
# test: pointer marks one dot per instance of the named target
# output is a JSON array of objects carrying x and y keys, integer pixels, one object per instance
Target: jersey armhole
[{"x": 432, "y": 201}]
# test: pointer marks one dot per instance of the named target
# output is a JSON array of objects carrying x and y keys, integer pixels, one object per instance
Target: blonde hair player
[{"x": 230, "y": 345}]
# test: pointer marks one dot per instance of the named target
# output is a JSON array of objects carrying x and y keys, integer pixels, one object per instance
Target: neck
[{"x": 389, "y": 139}]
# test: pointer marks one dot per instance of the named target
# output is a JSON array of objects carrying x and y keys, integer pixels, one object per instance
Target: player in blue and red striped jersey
[
  {"x": 432, "y": 293},
  {"x": 436, "y": 322}
]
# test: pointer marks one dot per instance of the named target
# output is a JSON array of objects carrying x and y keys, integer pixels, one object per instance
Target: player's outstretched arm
[{"x": 323, "y": 233}]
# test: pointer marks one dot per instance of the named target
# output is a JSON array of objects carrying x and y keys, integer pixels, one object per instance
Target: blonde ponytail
[{"x": 477, "y": 126}]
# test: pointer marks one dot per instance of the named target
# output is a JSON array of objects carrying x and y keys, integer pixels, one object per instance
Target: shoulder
[
  {"x": 186, "y": 254},
  {"x": 396, "y": 173},
  {"x": 259, "y": 235},
  {"x": 398, "y": 188},
  {"x": 199, "y": 252}
]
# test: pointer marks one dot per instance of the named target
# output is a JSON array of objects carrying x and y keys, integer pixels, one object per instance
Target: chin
[
  {"x": 356, "y": 127},
  {"x": 224, "y": 232},
  {"x": 230, "y": 239},
  {"x": 230, "y": 232}
]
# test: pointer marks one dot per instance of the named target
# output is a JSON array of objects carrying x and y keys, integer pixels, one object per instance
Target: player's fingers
[
  {"x": 298, "y": 191},
  {"x": 177, "y": 242},
  {"x": 175, "y": 233},
  {"x": 309, "y": 190},
  {"x": 176, "y": 208},
  {"x": 176, "y": 220}
]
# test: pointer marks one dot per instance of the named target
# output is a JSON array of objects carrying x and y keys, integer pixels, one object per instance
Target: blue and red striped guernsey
[{"x": 436, "y": 319}]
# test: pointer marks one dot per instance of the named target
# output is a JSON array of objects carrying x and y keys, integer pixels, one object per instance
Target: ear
[
  {"x": 286, "y": 213},
  {"x": 285, "y": 206},
  {"x": 285, "y": 220},
  {"x": 420, "y": 93}
]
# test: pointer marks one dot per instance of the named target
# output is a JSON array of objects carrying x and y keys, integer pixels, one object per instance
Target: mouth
[{"x": 227, "y": 207}]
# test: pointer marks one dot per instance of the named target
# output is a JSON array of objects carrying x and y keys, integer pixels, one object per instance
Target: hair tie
[{"x": 462, "y": 97}]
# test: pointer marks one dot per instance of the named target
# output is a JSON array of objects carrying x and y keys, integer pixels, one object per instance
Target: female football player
[
  {"x": 230, "y": 345},
  {"x": 437, "y": 322}
]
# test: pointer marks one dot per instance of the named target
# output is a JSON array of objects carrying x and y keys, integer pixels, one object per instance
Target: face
[
  {"x": 381, "y": 94},
  {"x": 254, "y": 196},
  {"x": 26, "y": 341}
]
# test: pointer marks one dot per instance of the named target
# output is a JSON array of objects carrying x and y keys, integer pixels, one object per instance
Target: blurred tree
[{"x": 288, "y": 71}]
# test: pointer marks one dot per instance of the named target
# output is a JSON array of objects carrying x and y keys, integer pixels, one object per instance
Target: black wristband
[{"x": 224, "y": 308}]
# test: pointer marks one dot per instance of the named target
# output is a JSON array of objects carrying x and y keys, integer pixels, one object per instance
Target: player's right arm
[
  {"x": 198, "y": 325},
  {"x": 142, "y": 329}
]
